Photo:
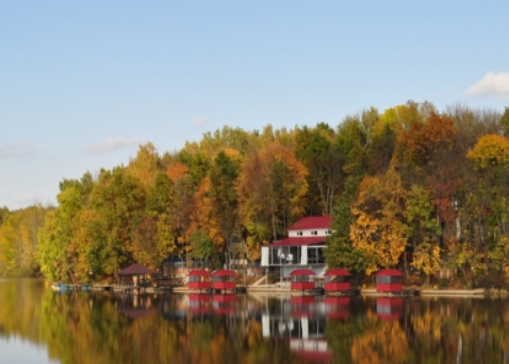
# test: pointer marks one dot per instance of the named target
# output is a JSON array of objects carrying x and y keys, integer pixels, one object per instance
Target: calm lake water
[{"x": 38, "y": 325}]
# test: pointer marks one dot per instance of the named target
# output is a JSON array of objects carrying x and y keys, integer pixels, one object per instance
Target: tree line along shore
[{"x": 409, "y": 187}]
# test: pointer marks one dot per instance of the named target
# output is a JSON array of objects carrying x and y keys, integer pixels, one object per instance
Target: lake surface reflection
[{"x": 104, "y": 328}]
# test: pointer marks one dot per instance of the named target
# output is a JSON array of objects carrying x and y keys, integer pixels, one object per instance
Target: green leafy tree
[
  {"x": 118, "y": 200},
  {"x": 203, "y": 248},
  {"x": 223, "y": 193},
  {"x": 339, "y": 252},
  {"x": 423, "y": 231}
]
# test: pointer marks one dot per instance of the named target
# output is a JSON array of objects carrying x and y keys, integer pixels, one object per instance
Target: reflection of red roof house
[{"x": 313, "y": 350}]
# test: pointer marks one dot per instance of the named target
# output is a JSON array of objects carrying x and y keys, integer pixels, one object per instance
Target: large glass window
[
  {"x": 284, "y": 255},
  {"x": 315, "y": 255}
]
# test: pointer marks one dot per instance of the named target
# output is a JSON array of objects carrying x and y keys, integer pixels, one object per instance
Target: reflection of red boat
[
  {"x": 199, "y": 303},
  {"x": 224, "y": 304},
  {"x": 389, "y": 308},
  {"x": 303, "y": 305},
  {"x": 337, "y": 307},
  {"x": 315, "y": 351}
]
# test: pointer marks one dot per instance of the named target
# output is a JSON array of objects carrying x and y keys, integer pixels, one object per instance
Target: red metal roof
[
  {"x": 136, "y": 270},
  {"x": 223, "y": 272},
  {"x": 307, "y": 240},
  {"x": 337, "y": 272},
  {"x": 312, "y": 222},
  {"x": 389, "y": 272},
  {"x": 303, "y": 272},
  {"x": 199, "y": 272}
]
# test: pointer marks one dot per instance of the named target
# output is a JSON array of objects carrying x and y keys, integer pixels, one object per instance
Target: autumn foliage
[{"x": 411, "y": 187}]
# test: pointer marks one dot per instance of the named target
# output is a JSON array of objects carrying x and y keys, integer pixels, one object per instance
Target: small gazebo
[
  {"x": 138, "y": 272},
  {"x": 336, "y": 280},
  {"x": 389, "y": 280},
  {"x": 223, "y": 280},
  {"x": 301, "y": 280},
  {"x": 199, "y": 280}
]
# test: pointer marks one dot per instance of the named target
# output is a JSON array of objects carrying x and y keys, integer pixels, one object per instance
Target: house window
[
  {"x": 299, "y": 233},
  {"x": 314, "y": 232},
  {"x": 328, "y": 232}
]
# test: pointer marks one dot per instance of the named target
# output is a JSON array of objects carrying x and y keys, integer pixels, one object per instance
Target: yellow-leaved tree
[{"x": 377, "y": 227}]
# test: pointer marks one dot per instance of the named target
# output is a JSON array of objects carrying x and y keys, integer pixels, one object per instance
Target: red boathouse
[
  {"x": 301, "y": 280},
  {"x": 389, "y": 280},
  {"x": 199, "y": 280},
  {"x": 336, "y": 280},
  {"x": 223, "y": 280}
]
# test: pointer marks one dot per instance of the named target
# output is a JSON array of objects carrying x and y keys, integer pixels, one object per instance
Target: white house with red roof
[{"x": 304, "y": 247}]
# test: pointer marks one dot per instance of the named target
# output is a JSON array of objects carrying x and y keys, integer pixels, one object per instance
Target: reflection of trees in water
[
  {"x": 101, "y": 328},
  {"x": 20, "y": 308}
]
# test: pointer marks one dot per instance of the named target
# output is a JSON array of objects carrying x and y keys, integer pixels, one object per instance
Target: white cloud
[
  {"x": 111, "y": 144},
  {"x": 22, "y": 149},
  {"x": 491, "y": 84},
  {"x": 199, "y": 121}
]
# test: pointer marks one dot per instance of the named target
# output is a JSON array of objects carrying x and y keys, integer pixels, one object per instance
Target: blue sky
[{"x": 83, "y": 83}]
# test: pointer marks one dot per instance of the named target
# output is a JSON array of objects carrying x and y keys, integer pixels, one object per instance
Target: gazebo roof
[
  {"x": 136, "y": 270},
  {"x": 199, "y": 272},
  {"x": 223, "y": 272},
  {"x": 338, "y": 272},
  {"x": 303, "y": 272},
  {"x": 389, "y": 272}
]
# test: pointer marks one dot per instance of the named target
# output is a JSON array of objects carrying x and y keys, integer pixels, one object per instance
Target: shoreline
[{"x": 465, "y": 293}]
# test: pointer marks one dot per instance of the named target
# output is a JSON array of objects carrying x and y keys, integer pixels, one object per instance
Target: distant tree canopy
[{"x": 408, "y": 187}]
